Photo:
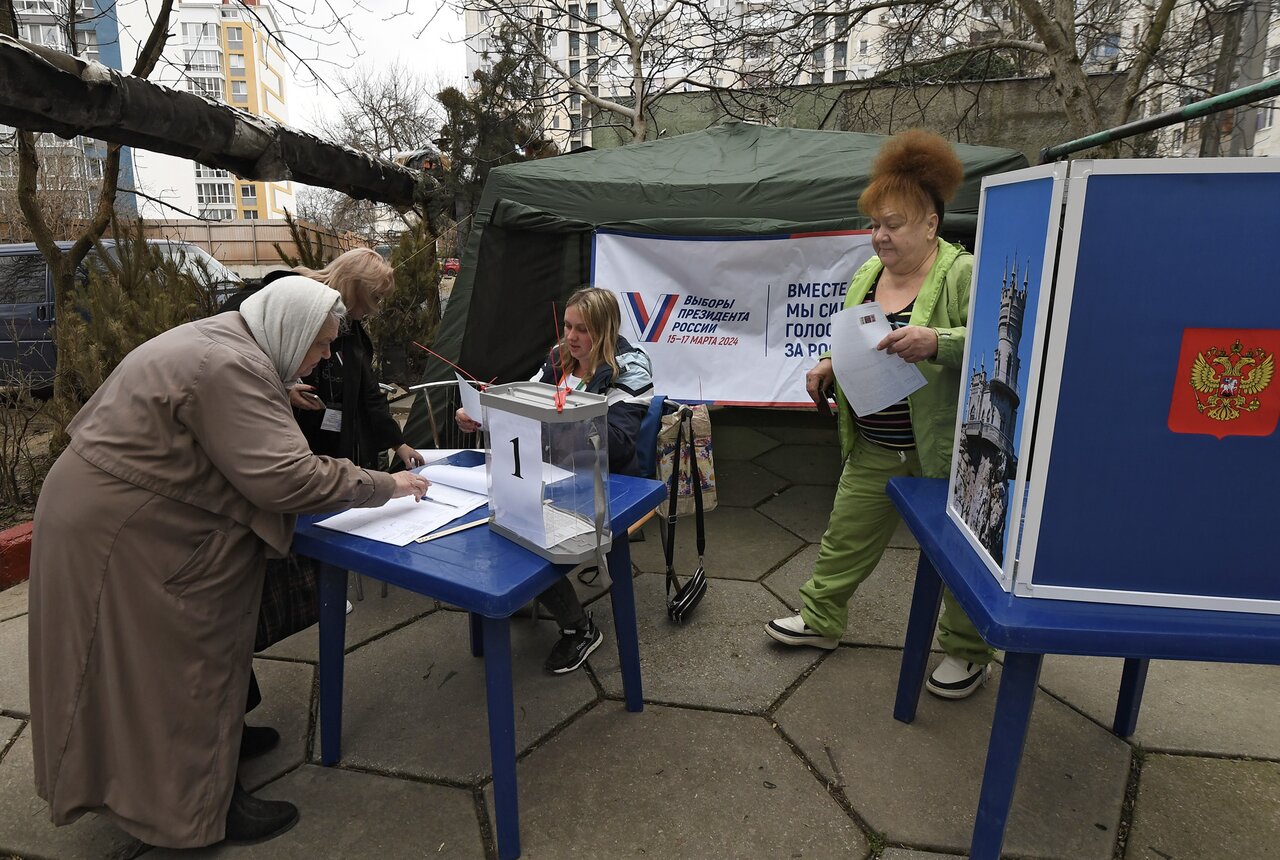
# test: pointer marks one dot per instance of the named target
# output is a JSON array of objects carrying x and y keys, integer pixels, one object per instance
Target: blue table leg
[
  {"x": 477, "y": 638},
  {"x": 332, "y": 582},
  {"x": 623, "y": 595},
  {"x": 502, "y": 733},
  {"x": 1004, "y": 752},
  {"x": 926, "y": 598},
  {"x": 1132, "y": 682}
]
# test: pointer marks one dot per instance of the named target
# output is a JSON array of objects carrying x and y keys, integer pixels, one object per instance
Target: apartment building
[
  {"x": 227, "y": 51},
  {"x": 71, "y": 169}
]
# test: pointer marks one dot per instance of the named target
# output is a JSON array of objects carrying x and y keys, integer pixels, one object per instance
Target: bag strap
[{"x": 681, "y": 449}]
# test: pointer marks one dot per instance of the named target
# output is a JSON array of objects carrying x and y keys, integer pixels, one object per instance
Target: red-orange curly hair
[{"x": 916, "y": 171}]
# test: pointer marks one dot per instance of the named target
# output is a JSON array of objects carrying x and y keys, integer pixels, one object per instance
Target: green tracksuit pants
[{"x": 862, "y": 522}]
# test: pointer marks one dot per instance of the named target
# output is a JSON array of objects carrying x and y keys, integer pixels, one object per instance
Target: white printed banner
[{"x": 737, "y": 321}]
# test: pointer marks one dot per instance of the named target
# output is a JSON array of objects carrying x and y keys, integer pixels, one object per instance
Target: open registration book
[{"x": 458, "y": 487}]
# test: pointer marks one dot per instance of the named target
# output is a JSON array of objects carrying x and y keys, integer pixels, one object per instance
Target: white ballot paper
[
  {"x": 470, "y": 399},
  {"x": 871, "y": 379},
  {"x": 401, "y": 521}
]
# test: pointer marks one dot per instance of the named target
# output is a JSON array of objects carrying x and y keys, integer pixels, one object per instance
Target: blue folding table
[
  {"x": 491, "y": 578},
  {"x": 1027, "y": 628}
]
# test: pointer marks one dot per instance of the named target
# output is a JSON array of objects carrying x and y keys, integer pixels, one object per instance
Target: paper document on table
[
  {"x": 402, "y": 520},
  {"x": 871, "y": 379},
  {"x": 470, "y": 399},
  {"x": 469, "y": 478},
  {"x": 562, "y": 525},
  {"x": 434, "y": 455}
]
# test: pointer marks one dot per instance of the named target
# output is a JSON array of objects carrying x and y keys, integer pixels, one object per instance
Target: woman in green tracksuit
[{"x": 922, "y": 284}]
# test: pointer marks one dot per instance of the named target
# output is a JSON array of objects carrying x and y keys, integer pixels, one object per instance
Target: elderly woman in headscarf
[{"x": 184, "y": 471}]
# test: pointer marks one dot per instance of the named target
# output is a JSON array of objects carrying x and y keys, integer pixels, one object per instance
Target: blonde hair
[
  {"x": 603, "y": 318},
  {"x": 361, "y": 276},
  {"x": 917, "y": 171}
]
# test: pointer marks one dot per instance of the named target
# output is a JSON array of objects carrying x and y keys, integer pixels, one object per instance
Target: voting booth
[
  {"x": 1115, "y": 438},
  {"x": 548, "y": 469}
]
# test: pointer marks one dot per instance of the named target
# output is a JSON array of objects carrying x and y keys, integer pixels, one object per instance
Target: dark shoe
[
  {"x": 257, "y": 740},
  {"x": 250, "y": 819},
  {"x": 574, "y": 647}
]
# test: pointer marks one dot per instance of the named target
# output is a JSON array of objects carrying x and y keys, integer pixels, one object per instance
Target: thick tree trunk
[{"x": 48, "y": 91}]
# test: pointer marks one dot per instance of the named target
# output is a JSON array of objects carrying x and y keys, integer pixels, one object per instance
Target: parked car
[
  {"x": 27, "y": 353},
  {"x": 450, "y": 266}
]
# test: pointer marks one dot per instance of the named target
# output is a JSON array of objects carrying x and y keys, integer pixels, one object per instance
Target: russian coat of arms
[{"x": 1230, "y": 380}]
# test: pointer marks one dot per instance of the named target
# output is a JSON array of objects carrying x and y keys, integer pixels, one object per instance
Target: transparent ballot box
[{"x": 548, "y": 469}]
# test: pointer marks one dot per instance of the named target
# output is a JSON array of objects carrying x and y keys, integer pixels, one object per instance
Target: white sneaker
[
  {"x": 956, "y": 678},
  {"x": 793, "y": 631},
  {"x": 349, "y": 607}
]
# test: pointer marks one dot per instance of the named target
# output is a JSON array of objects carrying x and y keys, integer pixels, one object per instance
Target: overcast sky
[{"x": 384, "y": 32}]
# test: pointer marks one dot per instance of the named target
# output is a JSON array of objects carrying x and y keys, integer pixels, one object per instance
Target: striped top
[{"x": 891, "y": 427}]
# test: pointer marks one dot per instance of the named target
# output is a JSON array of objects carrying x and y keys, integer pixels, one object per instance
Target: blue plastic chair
[{"x": 647, "y": 438}]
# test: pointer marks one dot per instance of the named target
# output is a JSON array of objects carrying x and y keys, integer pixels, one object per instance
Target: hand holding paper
[{"x": 871, "y": 379}]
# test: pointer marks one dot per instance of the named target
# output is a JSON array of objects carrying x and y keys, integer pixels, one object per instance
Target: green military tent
[{"x": 531, "y": 239}]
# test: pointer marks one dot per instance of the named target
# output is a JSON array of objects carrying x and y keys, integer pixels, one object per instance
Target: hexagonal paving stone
[
  {"x": 918, "y": 784},
  {"x": 1195, "y": 807},
  {"x": 25, "y": 828},
  {"x": 285, "y": 707},
  {"x": 369, "y": 618},
  {"x": 15, "y": 698},
  {"x": 804, "y": 464},
  {"x": 741, "y": 544},
  {"x": 1216, "y": 708},
  {"x": 415, "y": 699},
  {"x": 675, "y": 784},
  {"x": 803, "y": 510},
  {"x": 13, "y": 601},
  {"x": 738, "y": 443},
  {"x": 743, "y": 484},
  {"x": 719, "y": 658},
  {"x": 878, "y": 611},
  {"x": 349, "y": 814}
]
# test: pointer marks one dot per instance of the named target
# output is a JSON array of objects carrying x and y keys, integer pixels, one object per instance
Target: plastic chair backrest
[{"x": 647, "y": 438}]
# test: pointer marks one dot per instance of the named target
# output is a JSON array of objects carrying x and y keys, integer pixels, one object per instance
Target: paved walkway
[{"x": 745, "y": 749}]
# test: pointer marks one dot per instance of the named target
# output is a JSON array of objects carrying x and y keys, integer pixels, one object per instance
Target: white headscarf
[{"x": 285, "y": 318}]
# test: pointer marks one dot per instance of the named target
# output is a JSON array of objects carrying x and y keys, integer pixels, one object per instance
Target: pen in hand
[{"x": 426, "y": 498}]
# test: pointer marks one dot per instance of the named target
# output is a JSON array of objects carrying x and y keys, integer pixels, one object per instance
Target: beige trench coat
[{"x": 151, "y": 533}]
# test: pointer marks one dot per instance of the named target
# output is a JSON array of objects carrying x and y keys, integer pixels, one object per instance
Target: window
[
  {"x": 1273, "y": 61},
  {"x": 248, "y": 195},
  {"x": 593, "y": 11},
  {"x": 574, "y": 143},
  {"x": 575, "y": 124},
  {"x": 212, "y": 193},
  {"x": 251, "y": 214},
  {"x": 593, "y": 43},
  {"x": 200, "y": 34},
  {"x": 815, "y": 77},
  {"x": 838, "y": 76},
  {"x": 204, "y": 61},
  {"x": 573, "y": 43},
  {"x": 864, "y": 47},
  {"x": 819, "y": 26},
  {"x": 574, "y": 68},
  {"x": 235, "y": 38},
  {"x": 841, "y": 54},
  {"x": 1266, "y": 115},
  {"x": 555, "y": 121},
  {"x": 842, "y": 25},
  {"x": 817, "y": 58},
  {"x": 575, "y": 101},
  {"x": 231, "y": 13},
  {"x": 22, "y": 279},
  {"x": 236, "y": 63},
  {"x": 205, "y": 86},
  {"x": 87, "y": 42},
  {"x": 45, "y": 35},
  {"x": 240, "y": 92},
  {"x": 204, "y": 172}
]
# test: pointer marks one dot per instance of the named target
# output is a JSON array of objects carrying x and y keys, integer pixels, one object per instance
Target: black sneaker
[{"x": 574, "y": 647}]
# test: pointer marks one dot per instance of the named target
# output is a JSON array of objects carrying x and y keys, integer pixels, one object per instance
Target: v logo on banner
[{"x": 650, "y": 325}]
